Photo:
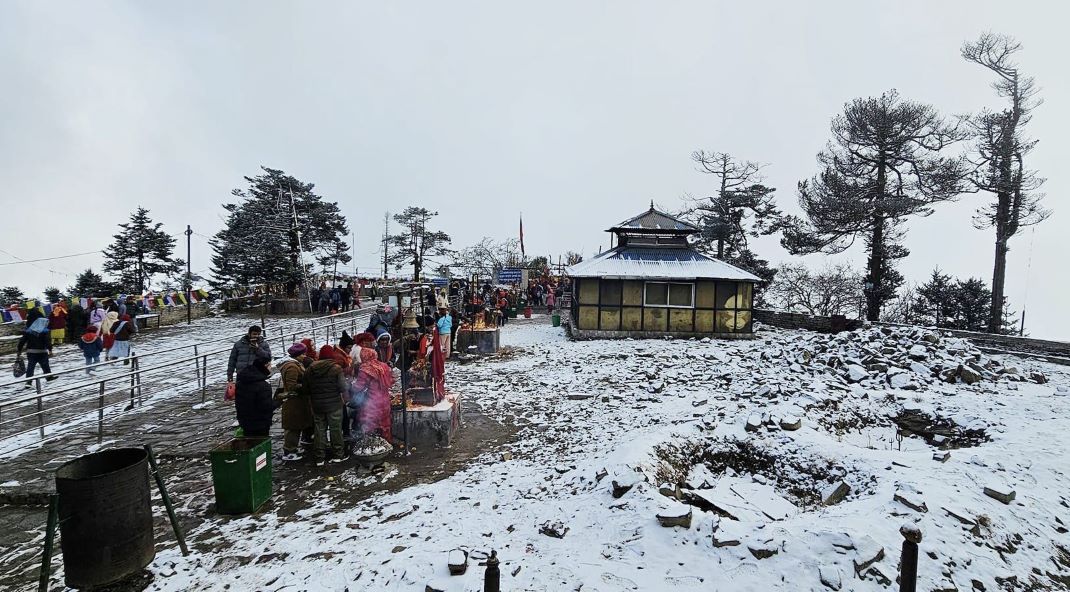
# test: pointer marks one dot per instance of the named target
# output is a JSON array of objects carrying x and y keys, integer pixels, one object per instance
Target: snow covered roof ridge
[
  {"x": 630, "y": 262},
  {"x": 655, "y": 220}
]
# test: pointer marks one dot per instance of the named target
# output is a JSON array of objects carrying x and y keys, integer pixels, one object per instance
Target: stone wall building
[{"x": 653, "y": 283}]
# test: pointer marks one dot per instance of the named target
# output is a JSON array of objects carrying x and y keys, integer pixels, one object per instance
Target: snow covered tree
[
  {"x": 742, "y": 207},
  {"x": 140, "y": 251},
  {"x": 277, "y": 219},
  {"x": 833, "y": 290},
  {"x": 998, "y": 156},
  {"x": 89, "y": 284},
  {"x": 416, "y": 242},
  {"x": 11, "y": 295},
  {"x": 935, "y": 304},
  {"x": 882, "y": 166},
  {"x": 950, "y": 303},
  {"x": 486, "y": 257}
]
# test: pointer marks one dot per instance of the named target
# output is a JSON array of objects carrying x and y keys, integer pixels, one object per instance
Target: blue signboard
[{"x": 509, "y": 275}]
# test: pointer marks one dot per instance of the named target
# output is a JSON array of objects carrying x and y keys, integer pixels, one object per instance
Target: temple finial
[{"x": 651, "y": 204}]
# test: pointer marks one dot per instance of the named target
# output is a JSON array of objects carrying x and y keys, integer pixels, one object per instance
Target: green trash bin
[
  {"x": 512, "y": 312},
  {"x": 241, "y": 474},
  {"x": 555, "y": 319}
]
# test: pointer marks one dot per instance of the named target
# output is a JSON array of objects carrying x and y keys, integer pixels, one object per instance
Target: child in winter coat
[{"x": 91, "y": 345}]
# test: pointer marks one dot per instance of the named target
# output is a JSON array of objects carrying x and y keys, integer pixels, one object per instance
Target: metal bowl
[{"x": 372, "y": 460}]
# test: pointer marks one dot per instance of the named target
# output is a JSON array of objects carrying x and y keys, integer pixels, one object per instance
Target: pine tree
[
  {"x": 741, "y": 208},
  {"x": 1000, "y": 148},
  {"x": 882, "y": 166},
  {"x": 416, "y": 242},
  {"x": 950, "y": 303},
  {"x": 140, "y": 251},
  {"x": 973, "y": 299},
  {"x": 53, "y": 294},
  {"x": 11, "y": 295},
  {"x": 276, "y": 220},
  {"x": 935, "y": 305},
  {"x": 89, "y": 284}
]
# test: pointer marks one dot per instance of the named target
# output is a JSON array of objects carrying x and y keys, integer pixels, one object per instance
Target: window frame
[{"x": 667, "y": 290}]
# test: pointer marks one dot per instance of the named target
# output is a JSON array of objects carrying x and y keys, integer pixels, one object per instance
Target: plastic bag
[
  {"x": 229, "y": 394},
  {"x": 18, "y": 368}
]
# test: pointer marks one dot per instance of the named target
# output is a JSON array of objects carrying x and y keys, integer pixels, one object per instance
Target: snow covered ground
[{"x": 750, "y": 442}]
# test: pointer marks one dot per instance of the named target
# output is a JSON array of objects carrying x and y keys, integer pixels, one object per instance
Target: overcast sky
[{"x": 576, "y": 114}]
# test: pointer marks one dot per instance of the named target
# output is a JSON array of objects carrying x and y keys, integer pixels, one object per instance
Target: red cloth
[
  {"x": 376, "y": 377},
  {"x": 438, "y": 369}
]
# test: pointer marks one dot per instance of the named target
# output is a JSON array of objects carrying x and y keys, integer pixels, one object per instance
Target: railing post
[
  {"x": 204, "y": 377},
  {"x": 197, "y": 364},
  {"x": 133, "y": 374},
  {"x": 100, "y": 414},
  {"x": 908, "y": 574},
  {"x": 137, "y": 368},
  {"x": 282, "y": 340},
  {"x": 40, "y": 410}
]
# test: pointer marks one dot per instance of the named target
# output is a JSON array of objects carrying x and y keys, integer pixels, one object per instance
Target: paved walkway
[{"x": 182, "y": 431}]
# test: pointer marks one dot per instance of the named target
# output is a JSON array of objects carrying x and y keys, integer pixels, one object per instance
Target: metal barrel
[{"x": 105, "y": 512}]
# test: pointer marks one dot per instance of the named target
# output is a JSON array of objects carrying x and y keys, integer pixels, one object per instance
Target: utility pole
[
  {"x": 386, "y": 242},
  {"x": 189, "y": 278}
]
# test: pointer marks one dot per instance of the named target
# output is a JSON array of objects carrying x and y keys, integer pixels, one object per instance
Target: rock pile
[{"x": 896, "y": 357}]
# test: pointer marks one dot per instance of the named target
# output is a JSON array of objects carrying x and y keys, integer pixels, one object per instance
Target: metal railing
[{"x": 45, "y": 415}]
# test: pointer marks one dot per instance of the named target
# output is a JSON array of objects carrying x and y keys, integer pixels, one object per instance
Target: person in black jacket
[
  {"x": 253, "y": 399},
  {"x": 326, "y": 386},
  {"x": 37, "y": 341}
]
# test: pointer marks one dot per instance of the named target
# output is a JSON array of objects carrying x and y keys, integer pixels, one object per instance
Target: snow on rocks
[{"x": 752, "y": 496}]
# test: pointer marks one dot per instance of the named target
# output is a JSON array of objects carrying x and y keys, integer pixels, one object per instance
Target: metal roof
[
  {"x": 655, "y": 220},
  {"x": 658, "y": 263}
]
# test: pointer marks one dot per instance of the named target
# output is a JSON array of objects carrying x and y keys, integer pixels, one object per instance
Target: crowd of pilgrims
[
  {"x": 104, "y": 330},
  {"x": 334, "y": 396}
]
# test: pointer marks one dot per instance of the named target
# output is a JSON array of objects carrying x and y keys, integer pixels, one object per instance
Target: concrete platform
[{"x": 430, "y": 425}]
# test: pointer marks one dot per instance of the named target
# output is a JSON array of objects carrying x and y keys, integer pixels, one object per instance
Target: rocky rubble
[{"x": 894, "y": 357}]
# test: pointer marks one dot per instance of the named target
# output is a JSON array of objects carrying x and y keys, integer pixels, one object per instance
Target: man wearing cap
[
  {"x": 296, "y": 409},
  {"x": 245, "y": 351}
]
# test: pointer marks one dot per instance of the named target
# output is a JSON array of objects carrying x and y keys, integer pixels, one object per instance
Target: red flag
[{"x": 522, "y": 253}]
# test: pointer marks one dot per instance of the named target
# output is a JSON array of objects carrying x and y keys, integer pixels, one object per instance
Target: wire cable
[{"x": 21, "y": 260}]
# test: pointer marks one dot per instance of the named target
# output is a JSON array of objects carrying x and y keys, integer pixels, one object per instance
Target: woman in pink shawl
[{"x": 375, "y": 378}]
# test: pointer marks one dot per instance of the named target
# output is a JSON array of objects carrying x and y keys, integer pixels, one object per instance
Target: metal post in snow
[
  {"x": 137, "y": 368},
  {"x": 40, "y": 411},
  {"x": 50, "y": 537},
  {"x": 197, "y": 365},
  {"x": 908, "y": 574},
  {"x": 132, "y": 381},
  {"x": 189, "y": 279},
  {"x": 204, "y": 377},
  {"x": 100, "y": 414},
  {"x": 166, "y": 501}
]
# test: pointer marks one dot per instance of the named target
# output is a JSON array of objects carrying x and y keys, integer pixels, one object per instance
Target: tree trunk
[
  {"x": 999, "y": 276},
  {"x": 140, "y": 272},
  {"x": 876, "y": 252}
]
